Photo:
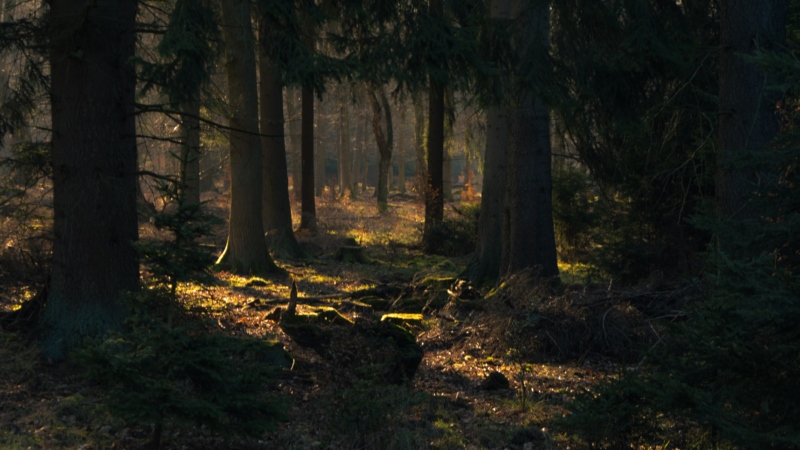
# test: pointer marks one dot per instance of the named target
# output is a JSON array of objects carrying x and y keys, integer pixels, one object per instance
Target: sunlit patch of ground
[{"x": 445, "y": 407}]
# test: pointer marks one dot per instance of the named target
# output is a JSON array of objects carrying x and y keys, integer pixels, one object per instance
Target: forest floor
[{"x": 570, "y": 339}]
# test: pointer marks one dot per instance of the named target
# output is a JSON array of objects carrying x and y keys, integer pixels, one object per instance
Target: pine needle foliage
[
  {"x": 726, "y": 377},
  {"x": 160, "y": 374}
]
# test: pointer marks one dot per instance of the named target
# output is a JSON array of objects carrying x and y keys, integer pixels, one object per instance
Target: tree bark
[
  {"x": 381, "y": 111},
  {"x": 421, "y": 170},
  {"x": 246, "y": 251},
  {"x": 190, "y": 153},
  {"x": 277, "y": 210},
  {"x": 401, "y": 160},
  {"x": 434, "y": 201},
  {"x": 358, "y": 163},
  {"x": 747, "y": 121},
  {"x": 447, "y": 160},
  {"x": 94, "y": 172},
  {"x": 292, "y": 96},
  {"x": 321, "y": 148},
  {"x": 528, "y": 235},
  {"x": 308, "y": 218},
  {"x": 345, "y": 163}
]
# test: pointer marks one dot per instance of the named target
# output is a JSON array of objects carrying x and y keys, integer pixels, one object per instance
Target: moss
[
  {"x": 402, "y": 318},
  {"x": 377, "y": 303}
]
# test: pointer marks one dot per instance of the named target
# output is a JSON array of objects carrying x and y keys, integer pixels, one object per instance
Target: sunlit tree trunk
[
  {"x": 747, "y": 118},
  {"x": 384, "y": 137},
  {"x": 94, "y": 172},
  {"x": 277, "y": 210},
  {"x": 246, "y": 250}
]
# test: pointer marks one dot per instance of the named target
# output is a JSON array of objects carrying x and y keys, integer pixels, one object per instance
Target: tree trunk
[
  {"x": 345, "y": 164},
  {"x": 292, "y": 95},
  {"x": 94, "y": 172},
  {"x": 447, "y": 161},
  {"x": 528, "y": 235},
  {"x": 421, "y": 176},
  {"x": 320, "y": 148},
  {"x": 308, "y": 218},
  {"x": 246, "y": 251},
  {"x": 277, "y": 211},
  {"x": 401, "y": 159},
  {"x": 384, "y": 140},
  {"x": 358, "y": 163},
  {"x": 434, "y": 201},
  {"x": 190, "y": 153},
  {"x": 747, "y": 121}
]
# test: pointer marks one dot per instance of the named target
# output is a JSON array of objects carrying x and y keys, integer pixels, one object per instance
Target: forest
[{"x": 399, "y": 224}]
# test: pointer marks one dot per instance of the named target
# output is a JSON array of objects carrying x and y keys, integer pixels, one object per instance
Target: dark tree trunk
[
  {"x": 421, "y": 178},
  {"x": 294, "y": 141},
  {"x": 246, "y": 251},
  {"x": 358, "y": 163},
  {"x": 345, "y": 164},
  {"x": 94, "y": 172},
  {"x": 486, "y": 264},
  {"x": 320, "y": 148},
  {"x": 747, "y": 121},
  {"x": 381, "y": 111},
  {"x": 308, "y": 219},
  {"x": 277, "y": 211},
  {"x": 528, "y": 235},
  {"x": 401, "y": 160},
  {"x": 190, "y": 153},
  {"x": 447, "y": 161},
  {"x": 434, "y": 201}
]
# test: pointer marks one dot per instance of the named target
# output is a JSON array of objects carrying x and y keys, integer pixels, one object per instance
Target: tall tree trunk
[
  {"x": 94, "y": 172},
  {"x": 384, "y": 139},
  {"x": 246, "y": 251},
  {"x": 292, "y": 95},
  {"x": 434, "y": 201},
  {"x": 358, "y": 162},
  {"x": 308, "y": 218},
  {"x": 421, "y": 171},
  {"x": 401, "y": 159},
  {"x": 365, "y": 155},
  {"x": 190, "y": 153},
  {"x": 277, "y": 210},
  {"x": 747, "y": 121},
  {"x": 528, "y": 235},
  {"x": 345, "y": 164},
  {"x": 447, "y": 162},
  {"x": 321, "y": 148}
]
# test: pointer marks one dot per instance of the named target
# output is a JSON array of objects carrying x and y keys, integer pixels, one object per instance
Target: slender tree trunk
[
  {"x": 358, "y": 169},
  {"x": 434, "y": 200},
  {"x": 365, "y": 155},
  {"x": 421, "y": 177},
  {"x": 747, "y": 121},
  {"x": 190, "y": 153},
  {"x": 321, "y": 148},
  {"x": 246, "y": 251},
  {"x": 345, "y": 164},
  {"x": 401, "y": 160},
  {"x": 528, "y": 235},
  {"x": 94, "y": 172},
  {"x": 292, "y": 95},
  {"x": 308, "y": 219},
  {"x": 447, "y": 162},
  {"x": 381, "y": 111},
  {"x": 277, "y": 210}
]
